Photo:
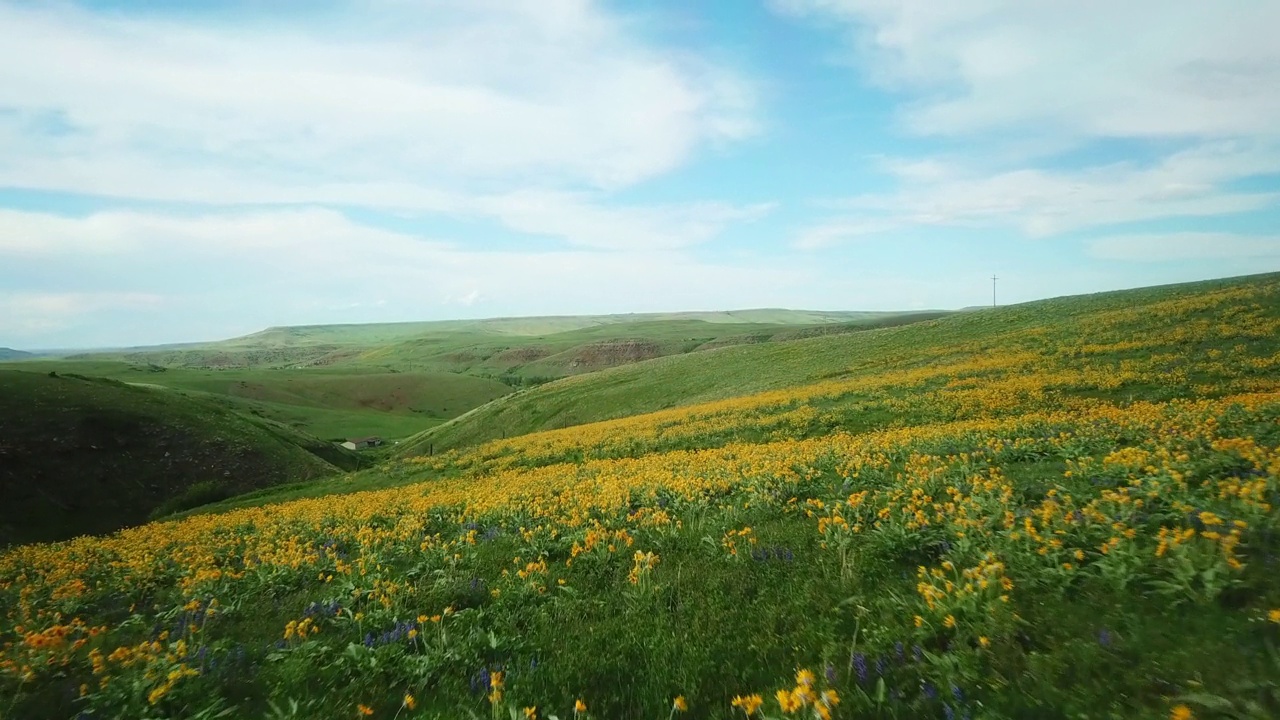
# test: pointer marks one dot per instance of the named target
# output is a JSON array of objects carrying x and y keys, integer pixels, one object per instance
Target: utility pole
[{"x": 993, "y": 290}]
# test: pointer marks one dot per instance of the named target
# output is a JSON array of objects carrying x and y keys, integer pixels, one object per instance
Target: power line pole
[{"x": 993, "y": 290}]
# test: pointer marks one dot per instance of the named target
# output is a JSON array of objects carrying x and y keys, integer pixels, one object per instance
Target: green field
[
  {"x": 520, "y": 350},
  {"x": 396, "y": 380},
  {"x": 745, "y": 369},
  {"x": 1068, "y": 509},
  {"x": 328, "y": 403}
]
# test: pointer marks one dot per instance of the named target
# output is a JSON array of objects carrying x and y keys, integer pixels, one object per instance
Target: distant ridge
[
  {"x": 517, "y": 349},
  {"x": 11, "y": 354}
]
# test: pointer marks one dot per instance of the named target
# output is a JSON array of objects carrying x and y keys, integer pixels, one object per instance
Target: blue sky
[{"x": 175, "y": 171}]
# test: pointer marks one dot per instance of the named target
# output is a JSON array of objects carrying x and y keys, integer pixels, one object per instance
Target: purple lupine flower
[
  {"x": 929, "y": 691},
  {"x": 948, "y": 713},
  {"x": 957, "y": 693},
  {"x": 860, "y": 667},
  {"x": 918, "y": 653},
  {"x": 830, "y": 672},
  {"x": 882, "y": 664},
  {"x": 368, "y": 640},
  {"x": 900, "y": 651},
  {"x": 1104, "y": 637}
]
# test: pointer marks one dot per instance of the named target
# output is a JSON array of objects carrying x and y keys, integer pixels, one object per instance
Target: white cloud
[
  {"x": 1186, "y": 246},
  {"x": 30, "y": 314},
  {"x": 1143, "y": 68},
  {"x": 458, "y": 98},
  {"x": 579, "y": 218},
  {"x": 834, "y": 232},
  {"x": 581, "y": 222},
  {"x": 1041, "y": 202},
  {"x": 1012, "y": 86},
  {"x": 247, "y": 269}
]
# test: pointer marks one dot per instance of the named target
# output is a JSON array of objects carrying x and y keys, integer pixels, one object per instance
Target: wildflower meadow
[{"x": 1052, "y": 530}]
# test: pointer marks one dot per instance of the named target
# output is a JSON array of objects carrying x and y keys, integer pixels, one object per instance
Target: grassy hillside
[
  {"x": 1056, "y": 511},
  {"x": 7, "y": 354},
  {"x": 327, "y": 403},
  {"x": 396, "y": 380},
  {"x": 1022, "y": 333},
  {"x": 87, "y": 455},
  {"x": 494, "y": 347}
]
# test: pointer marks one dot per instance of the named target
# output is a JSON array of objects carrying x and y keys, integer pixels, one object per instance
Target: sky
[{"x": 176, "y": 171}]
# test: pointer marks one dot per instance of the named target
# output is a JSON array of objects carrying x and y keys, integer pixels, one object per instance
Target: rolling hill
[
  {"x": 396, "y": 380},
  {"x": 7, "y": 354},
  {"x": 745, "y": 369},
  {"x": 498, "y": 346},
  {"x": 1063, "y": 510},
  {"x": 83, "y": 455}
]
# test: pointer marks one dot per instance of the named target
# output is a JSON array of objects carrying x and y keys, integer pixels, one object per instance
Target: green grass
[
  {"x": 326, "y": 402},
  {"x": 86, "y": 455},
  {"x": 1050, "y": 328},
  {"x": 1069, "y": 494},
  {"x": 745, "y": 369},
  {"x": 496, "y": 347},
  {"x": 396, "y": 380}
]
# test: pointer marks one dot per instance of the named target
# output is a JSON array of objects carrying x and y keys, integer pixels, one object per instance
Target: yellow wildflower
[
  {"x": 788, "y": 701},
  {"x": 679, "y": 704},
  {"x": 1180, "y": 712},
  {"x": 409, "y": 701},
  {"x": 748, "y": 704}
]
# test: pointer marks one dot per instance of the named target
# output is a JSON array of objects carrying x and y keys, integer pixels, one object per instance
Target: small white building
[{"x": 362, "y": 443}]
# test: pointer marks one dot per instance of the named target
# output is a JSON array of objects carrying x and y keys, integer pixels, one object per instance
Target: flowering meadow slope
[{"x": 1051, "y": 530}]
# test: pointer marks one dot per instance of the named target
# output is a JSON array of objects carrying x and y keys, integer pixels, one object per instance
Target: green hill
[
  {"x": 1061, "y": 510},
  {"x": 83, "y": 455},
  {"x": 396, "y": 380},
  {"x": 744, "y": 369},
  {"x": 328, "y": 403},
  {"x": 7, "y": 354},
  {"x": 497, "y": 346}
]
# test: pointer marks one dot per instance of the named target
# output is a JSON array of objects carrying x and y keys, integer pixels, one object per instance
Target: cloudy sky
[{"x": 176, "y": 171}]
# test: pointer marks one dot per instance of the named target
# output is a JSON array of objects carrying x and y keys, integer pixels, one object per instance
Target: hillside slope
[
  {"x": 493, "y": 347},
  {"x": 746, "y": 369},
  {"x": 82, "y": 455},
  {"x": 1069, "y": 514},
  {"x": 7, "y": 354}
]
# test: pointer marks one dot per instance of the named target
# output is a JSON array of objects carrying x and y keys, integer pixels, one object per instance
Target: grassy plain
[{"x": 1060, "y": 510}]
